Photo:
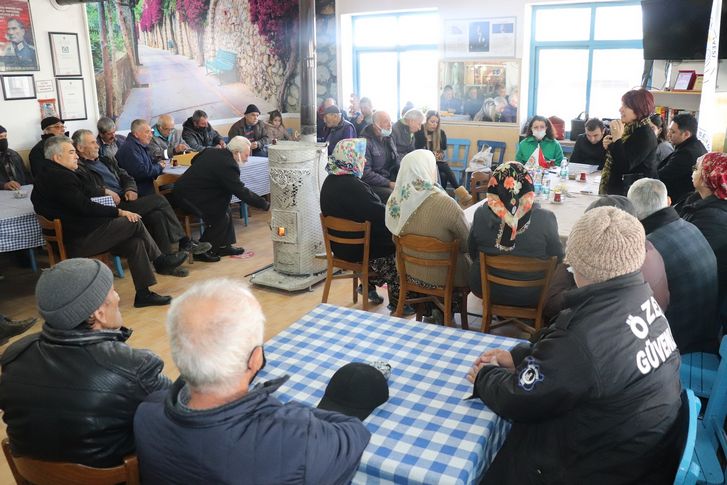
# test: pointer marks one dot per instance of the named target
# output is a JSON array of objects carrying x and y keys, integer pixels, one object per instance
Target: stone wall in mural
[{"x": 215, "y": 55}]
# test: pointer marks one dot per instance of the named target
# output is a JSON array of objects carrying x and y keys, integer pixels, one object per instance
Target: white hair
[
  {"x": 648, "y": 196},
  {"x": 213, "y": 328},
  {"x": 238, "y": 144},
  {"x": 414, "y": 115}
]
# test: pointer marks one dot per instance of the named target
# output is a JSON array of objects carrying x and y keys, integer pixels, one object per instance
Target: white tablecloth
[{"x": 254, "y": 174}]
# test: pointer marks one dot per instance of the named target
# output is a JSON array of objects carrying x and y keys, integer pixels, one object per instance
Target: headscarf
[
  {"x": 510, "y": 196},
  {"x": 348, "y": 158},
  {"x": 629, "y": 128},
  {"x": 714, "y": 173},
  {"x": 416, "y": 180}
]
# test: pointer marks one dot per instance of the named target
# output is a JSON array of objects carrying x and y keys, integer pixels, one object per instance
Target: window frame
[{"x": 591, "y": 45}]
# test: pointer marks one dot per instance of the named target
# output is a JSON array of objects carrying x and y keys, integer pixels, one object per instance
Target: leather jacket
[{"x": 70, "y": 395}]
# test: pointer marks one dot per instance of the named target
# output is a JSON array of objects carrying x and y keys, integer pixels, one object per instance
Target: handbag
[{"x": 578, "y": 125}]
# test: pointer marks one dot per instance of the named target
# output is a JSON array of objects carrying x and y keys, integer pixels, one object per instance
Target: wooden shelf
[{"x": 683, "y": 100}]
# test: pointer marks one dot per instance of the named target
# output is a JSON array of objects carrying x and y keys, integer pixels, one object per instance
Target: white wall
[{"x": 22, "y": 117}]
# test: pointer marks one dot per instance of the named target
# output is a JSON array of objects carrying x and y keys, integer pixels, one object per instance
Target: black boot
[
  {"x": 9, "y": 328},
  {"x": 149, "y": 298}
]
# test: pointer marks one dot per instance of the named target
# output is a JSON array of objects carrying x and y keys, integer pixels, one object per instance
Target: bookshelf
[{"x": 679, "y": 100}]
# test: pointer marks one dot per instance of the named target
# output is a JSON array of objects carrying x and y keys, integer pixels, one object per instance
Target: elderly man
[
  {"x": 691, "y": 268},
  {"x": 90, "y": 228},
  {"x": 199, "y": 134},
  {"x": 591, "y": 401},
  {"x": 403, "y": 132},
  {"x": 676, "y": 169},
  {"x": 50, "y": 126},
  {"x": 206, "y": 188},
  {"x": 337, "y": 128},
  {"x": 136, "y": 160},
  {"x": 108, "y": 141},
  {"x": 12, "y": 169},
  {"x": 251, "y": 127},
  {"x": 364, "y": 115},
  {"x": 104, "y": 177},
  {"x": 213, "y": 426},
  {"x": 166, "y": 140},
  {"x": 381, "y": 158},
  {"x": 19, "y": 54},
  {"x": 70, "y": 392},
  {"x": 589, "y": 145}
]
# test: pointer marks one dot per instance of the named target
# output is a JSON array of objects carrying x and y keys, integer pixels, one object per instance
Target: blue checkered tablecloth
[
  {"x": 426, "y": 432},
  {"x": 19, "y": 229}
]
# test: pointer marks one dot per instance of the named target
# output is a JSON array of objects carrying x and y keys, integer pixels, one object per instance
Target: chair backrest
[
  {"x": 38, "y": 472},
  {"x": 339, "y": 225},
  {"x": 567, "y": 150},
  {"x": 53, "y": 235},
  {"x": 458, "y": 152},
  {"x": 688, "y": 469},
  {"x": 498, "y": 150},
  {"x": 413, "y": 243},
  {"x": 479, "y": 183},
  {"x": 164, "y": 183},
  {"x": 716, "y": 411}
]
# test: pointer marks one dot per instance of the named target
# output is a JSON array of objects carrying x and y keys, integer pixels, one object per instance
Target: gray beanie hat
[
  {"x": 605, "y": 243},
  {"x": 69, "y": 292}
]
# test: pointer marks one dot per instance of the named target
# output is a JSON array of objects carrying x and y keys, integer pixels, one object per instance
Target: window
[
  {"x": 585, "y": 56},
  {"x": 392, "y": 72}
]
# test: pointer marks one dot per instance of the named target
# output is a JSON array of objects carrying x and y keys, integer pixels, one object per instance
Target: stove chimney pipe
[{"x": 307, "y": 56}]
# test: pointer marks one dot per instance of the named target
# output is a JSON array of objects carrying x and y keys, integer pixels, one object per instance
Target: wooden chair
[
  {"x": 458, "y": 156},
  {"x": 410, "y": 244},
  {"x": 29, "y": 471},
  {"x": 478, "y": 184},
  {"x": 53, "y": 235},
  {"x": 358, "y": 270},
  {"x": 513, "y": 314}
]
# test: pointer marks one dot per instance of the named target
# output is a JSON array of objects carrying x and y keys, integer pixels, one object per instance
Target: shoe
[
  {"x": 374, "y": 297},
  {"x": 179, "y": 271},
  {"x": 408, "y": 309},
  {"x": 194, "y": 247},
  {"x": 10, "y": 328},
  {"x": 229, "y": 251},
  {"x": 166, "y": 263},
  {"x": 208, "y": 257},
  {"x": 149, "y": 298}
]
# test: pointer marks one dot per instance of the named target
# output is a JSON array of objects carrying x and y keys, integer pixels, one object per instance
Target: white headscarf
[{"x": 417, "y": 180}]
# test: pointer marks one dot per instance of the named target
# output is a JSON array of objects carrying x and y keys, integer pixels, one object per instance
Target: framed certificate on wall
[
  {"x": 65, "y": 54},
  {"x": 72, "y": 99}
]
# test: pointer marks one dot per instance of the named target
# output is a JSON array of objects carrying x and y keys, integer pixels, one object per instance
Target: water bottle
[{"x": 564, "y": 169}]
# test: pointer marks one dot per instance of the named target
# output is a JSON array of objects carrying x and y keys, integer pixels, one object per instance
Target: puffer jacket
[
  {"x": 70, "y": 395},
  {"x": 199, "y": 138},
  {"x": 595, "y": 399}
]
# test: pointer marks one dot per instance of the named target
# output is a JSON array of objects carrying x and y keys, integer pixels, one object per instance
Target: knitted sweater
[{"x": 439, "y": 216}]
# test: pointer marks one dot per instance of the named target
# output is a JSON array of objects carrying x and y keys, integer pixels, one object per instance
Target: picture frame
[
  {"x": 685, "y": 80},
  {"x": 18, "y": 86},
  {"x": 71, "y": 99},
  {"x": 698, "y": 83},
  {"x": 65, "y": 54},
  {"x": 17, "y": 41},
  {"x": 48, "y": 107},
  {"x": 479, "y": 38}
]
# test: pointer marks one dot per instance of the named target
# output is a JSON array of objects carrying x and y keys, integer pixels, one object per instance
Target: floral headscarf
[
  {"x": 348, "y": 158},
  {"x": 510, "y": 196},
  {"x": 416, "y": 180},
  {"x": 714, "y": 173}
]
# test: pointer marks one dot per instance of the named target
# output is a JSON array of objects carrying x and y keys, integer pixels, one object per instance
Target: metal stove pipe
[{"x": 307, "y": 56}]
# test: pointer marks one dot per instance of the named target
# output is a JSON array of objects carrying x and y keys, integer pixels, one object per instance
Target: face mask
[
  {"x": 3, "y": 144},
  {"x": 385, "y": 132},
  {"x": 539, "y": 134}
]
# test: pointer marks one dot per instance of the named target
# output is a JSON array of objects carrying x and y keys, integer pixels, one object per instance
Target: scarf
[
  {"x": 348, "y": 157},
  {"x": 714, "y": 173},
  {"x": 416, "y": 180},
  {"x": 629, "y": 128},
  {"x": 510, "y": 196}
]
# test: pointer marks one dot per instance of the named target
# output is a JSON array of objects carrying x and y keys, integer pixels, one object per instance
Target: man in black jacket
[
  {"x": 676, "y": 169},
  {"x": 90, "y": 228},
  {"x": 51, "y": 126},
  {"x": 251, "y": 127},
  {"x": 12, "y": 169},
  {"x": 595, "y": 399},
  {"x": 70, "y": 392},
  {"x": 381, "y": 157},
  {"x": 105, "y": 177},
  {"x": 199, "y": 134},
  {"x": 588, "y": 148},
  {"x": 206, "y": 188}
]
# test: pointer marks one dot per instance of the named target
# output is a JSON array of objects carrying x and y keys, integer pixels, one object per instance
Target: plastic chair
[
  {"x": 698, "y": 372},
  {"x": 410, "y": 244},
  {"x": 27, "y": 471},
  {"x": 53, "y": 235},
  {"x": 333, "y": 227},
  {"x": 514, "y": 264},
  {"x": 688, "y": 470},
  {"x": 498, "y": 151},
  {"x": 478, "y": 184},
  {"x": 711, "y": 436},
  {"x": 567, "y": 150},
  {"x": 458, "y": 155}
]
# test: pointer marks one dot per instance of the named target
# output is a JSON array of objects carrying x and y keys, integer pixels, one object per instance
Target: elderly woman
[
  {"x": 707, "y": 209},
  {"x": 344, "y": 195},
  {"x": 419, "y": 206},
  {"x": 631, "y": 146},
  {"x": 539, "y": 134},
  {"x": 512, "y": 224},
  {"x": 275, "y": 129}
]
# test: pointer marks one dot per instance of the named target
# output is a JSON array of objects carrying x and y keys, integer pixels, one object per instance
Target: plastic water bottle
[{"x": 564, "y": 169}]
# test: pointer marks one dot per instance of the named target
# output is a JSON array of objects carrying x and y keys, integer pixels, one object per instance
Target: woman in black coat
[
  {"x": 631, "y": 146},
  {"x": 433, "y": 138}
]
